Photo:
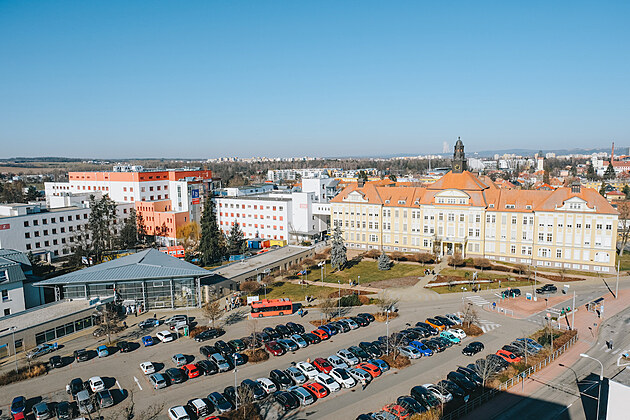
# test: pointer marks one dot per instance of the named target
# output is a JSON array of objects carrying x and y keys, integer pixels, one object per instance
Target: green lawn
[
  {"x": 459, "y": 272},
  {"x": 486, "y": 286},
  {"x": 368, "y": 272},
  {"x": 625, "y": 261},
  {"x": 293, "y": 291}
]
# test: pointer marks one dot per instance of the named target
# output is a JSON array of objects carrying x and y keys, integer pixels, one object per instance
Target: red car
[
  {"x": 316, "y": 389},
  {"x": 321, "y": 334},
  {"x": 274, "y": 348},
  {"x": 322, "y": 365},
  {"x": 508, "y": 356},
  {"x": 400, "y": 412},
  {"x": 370, "y": 368},
  {"x": 191, "y": 370}
]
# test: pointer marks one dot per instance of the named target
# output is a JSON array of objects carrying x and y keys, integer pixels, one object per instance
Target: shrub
[
  {"x": 382, "y": 317},
  {"x": 455, "y": 260},
  {"x": 23, "y": 373},
  {"x": 256, "y": 355},
  {"x": 372, "y": 253},
  {"x": 472, "y": 330},
  {"x": 399, "y": 363},
  {"x": 364, "y": 300},
  {"x": 350, "y": 300},
  {"x": 197, "y": 330},
  {"x": 249, "y": 286}
]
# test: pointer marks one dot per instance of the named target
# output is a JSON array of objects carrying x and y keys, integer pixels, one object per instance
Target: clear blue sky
[{"x": 325, "y": 78}]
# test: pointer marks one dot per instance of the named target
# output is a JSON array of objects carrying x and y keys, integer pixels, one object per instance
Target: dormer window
[
  {"x": 417, "y": 202},
  {"x": 402, "y": 201},
  {"x": 528, "y": 207},
  {"x": 386, "y": 201},
  {"x": 491, "y": 206},
  {"x": 510, "y": 206}
]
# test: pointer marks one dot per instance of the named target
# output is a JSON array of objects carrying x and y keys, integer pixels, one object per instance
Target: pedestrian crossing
[
  {"x": 607, "y": 349},
  {"x": 484, "y": 324},
  {"x": 477, "y": 300}
]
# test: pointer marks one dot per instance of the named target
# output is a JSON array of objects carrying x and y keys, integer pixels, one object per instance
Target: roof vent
[{"x": 576, "y": 188}]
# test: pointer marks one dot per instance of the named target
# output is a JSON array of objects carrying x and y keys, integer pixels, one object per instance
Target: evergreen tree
[
  {"x": 211, "y": 245},
  {"x": 384, "y": 263},
  {"x": 129, "y": 232},
  {"x": 602, "y": 190},
  {"x": 362, "y": 176},
  {"x": 101, "y": 225},
  {"x": 142, "y": 228},
  {"x": 236, "y": 240},
  {"x": 338, "y": 257},
  {"x": 626, "y": 191},
  {"x": 590, "y": 173},
  {"x": 610, "y": 172}
]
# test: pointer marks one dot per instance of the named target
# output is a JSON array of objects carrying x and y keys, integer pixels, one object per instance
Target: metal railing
[
  {"x": 499, "y": 309},
  {"x": 475, "y": 403}
]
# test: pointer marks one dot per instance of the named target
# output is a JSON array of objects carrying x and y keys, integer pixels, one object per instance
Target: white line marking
[
  {"x": 118, "y": 385},
  {"x": 137, "y": 382},
  {"x": 616, "y": 351}
]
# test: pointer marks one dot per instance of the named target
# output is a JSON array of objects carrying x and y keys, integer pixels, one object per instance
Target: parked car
[
  {"x": 102, "y": 351},
  {"x": 165, "y": 336},
  {"x": 147, "y": 341},
  {"x": 40, "y": 350},
  {"x": 179, "y": 360},
  {"x": 342, "y": 377},
  {"x": 424, "y": 397},
  {"x": 461, "y": 381},
  {"x": 175, "y": 375},
  {"x": 296, "y": 328},
  {"x": 457, "y": 320},
  {"x": 96, "y": 383},
  {"x": 64, "y": 411},
  {"x": 176, "y": 318},
  {"x": 450, "y": 337},
  {"x": 158, "y": 381},
  {"x": 236, "y": 359},
  {"x": 428, "y": 327},
  {"x": 328, "y": 382},
  {"x": 81, "y": 355},
  {"x": 223, "y": 348},
  {"x": 547, "y": 288},
  {"x": 440, "y": 393},
  {"x": 288, "y": 345},
  {"x": 104, "y": 398},
  {"x": 207, "y": 367},
  {"x": 359, "y": 353},
  {"x": 73, "y": 388},
  {"x": 149, "y": 323},
  {"x": 445, "y": 320},
  {"x": 254, "y": 387},
  {"x": 84, "y": 402},
  {"x": 280, "y": 378},
  {"x": 455, "y": 390},
  {"x": 191, "y": 370},
  {"x": 410, "y": 404},
  {"x": 41, "y": 411},
  {"x": 123, "y": 346},
  {"x": 518, "y": 351},
  {"x": 296, "y": 375},
  {"x": 322, "y": 365},
  {"x": 273, "y": 334},
  {"x": 370, "y": 349},
  {"x": 274, "y": 348},
  {"x": 370, "y": 368},
  {"x": 410, "y": 352},
  {"x": 307, "y": 369},
  {"x": 531, "y": 342},
  {"x": 237, "y": 345},
  {"x": 422, "y": 348},
  {"x": 207, "y": 335},
  {"x": 299, "y": 340},
  {"x": 367, "y": 316},
  {"x": 360, "y": 375},
  {"x": 437, "y": 324},
  {"x": 381, "y": 364},
  {"x": 317, "y": 389},
  {"x": 18, "y": 405},
  {"x": 323, "y": 335},
  {"x": 457, "y": 332},
  {"x": 348, "y": 357},
  {"x": 220, "y": 361},
  {"x": 283, "y": 331},
  {"x": 311, "y": 338},
  {"x": 219, "y": 402},
  {"x": 508, "y": 356},
  {"x": 178, "y": 413},
  {"x": 199, "y": 407},
  {"x": 303, "y": 396},
  {"x": 287, "y": 400},
  {"x": 470, "y": 374},
  {"x": 267, "y": 385},
  {"x": 337, "y": 362},
  {"x": 147, "y": 368},
  {"x": 360, "y": 321},
  {"x": 472, "y": 348},
  {"x": 55, "y": 362}
]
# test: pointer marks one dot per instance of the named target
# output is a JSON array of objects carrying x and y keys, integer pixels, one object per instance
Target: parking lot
[{"x": 121, "y": 371}]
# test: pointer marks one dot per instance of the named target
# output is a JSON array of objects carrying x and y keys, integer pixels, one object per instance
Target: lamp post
[
  {"x": 235, "y": 387},
  {"x": 617, "y": 283},
  {"x": 14, "y": 349},
  {"x": 387, "y": 337},
  {"x": 601, "y": 378},
  {"x": 265, "y": 286},
  {"x": 339, "y": 301}
]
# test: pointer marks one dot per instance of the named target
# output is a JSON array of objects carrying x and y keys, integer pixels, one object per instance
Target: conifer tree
[
  {"x": 338, "y": 257},
  {"x": 384, "y": 263},
  {"x": 211, "y": 245},
  {"x": 236, "y": 242}
]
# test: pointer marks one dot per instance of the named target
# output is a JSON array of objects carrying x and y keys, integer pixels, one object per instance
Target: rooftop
[{"x": 147, "y": 264}]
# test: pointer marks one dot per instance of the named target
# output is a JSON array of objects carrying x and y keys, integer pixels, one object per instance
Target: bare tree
[
  {"x": 386, "y": 302},
  {"x": 523, "y": 348},
  {"x": 249, "y": 287},
  {"x": 470, "y": 315},
  {"x": 487, "y": 368},
  {"x": 455, "y": 260},
  {"x": 212, "y": 310},
  {"x": 109, "y": 319},
  {"x": 482, "y": 263},
  {"x": 624, "y": 218},
  {"x": 451, "y": 282},
  {"x": 252, "y": 326},
  {"x": 424, "y": 257},
  {"x": 128, "y": 412},
  {"x": 328, "y": 307}
]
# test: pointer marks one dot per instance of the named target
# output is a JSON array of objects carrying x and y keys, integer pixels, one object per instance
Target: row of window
[
  {"x": 249, "y": 206},
  {"x": 62, "y": 219},
  {"x": 53, "y": 231},
  {"x": 255, "y": 225},
  {"x": 262, "y": 216},
  {"x": 63, "y": 330}
]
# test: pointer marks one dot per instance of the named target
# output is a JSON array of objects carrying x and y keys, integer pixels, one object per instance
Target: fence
[
  {"x": 499, "y": 309},
  {"x": 520, "y": 378}
]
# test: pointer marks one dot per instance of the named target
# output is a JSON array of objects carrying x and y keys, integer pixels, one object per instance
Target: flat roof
[{"x": 46, "y": 313}]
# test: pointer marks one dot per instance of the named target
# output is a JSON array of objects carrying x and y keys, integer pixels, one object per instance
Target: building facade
[{"x": 572, "y": 227}]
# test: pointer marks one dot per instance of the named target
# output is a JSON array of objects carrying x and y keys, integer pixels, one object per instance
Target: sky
[{"x": 204, "y": 79}]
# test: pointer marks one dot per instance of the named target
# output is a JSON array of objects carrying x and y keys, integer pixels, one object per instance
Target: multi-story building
[
  {"x": 166, "y": 199},
  {"x": 564, "y": 228},
  {"x": 16, "y": 283},
  {"x": 48, "y": 233}
]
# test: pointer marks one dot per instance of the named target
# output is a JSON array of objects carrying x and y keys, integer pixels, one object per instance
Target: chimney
[
  {"x": 360, "y": 182},
  {"x": 612, "y": 154},
  {"x": 576, "y": 187}
]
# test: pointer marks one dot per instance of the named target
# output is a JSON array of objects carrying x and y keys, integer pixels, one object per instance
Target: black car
[
  {"x": 511, "y": 293},
  {"x": 433, "y": 345},
  {"x": 296, "y": 328},
  {"x": 422, "y": 331},
  {"x": 75, "y": 386},
  {"x": 280, "y": 378},
  {"x": 547, "y": 288},
  {"x": 230, "y": 394},
  {"x": 220, "y": 402},
  {"x": 359, "y": 353},
  {"x": 207, "y": 335},
  {"x": 207, "y": 367},
  {"x": 123, "y": 346},
  {"x": 424, "y": 397},
  {"x": 473, "y": 348},
  {"x": 363, "y": 322},
  {"x": 175, "y": 375},
  {"x": 254, "y": 387},
  {"x": 149, "y": 323},
  {"x": 367, "y": 316},
  {"x": 273, "y": 334},
  {"x": 444, "y": 341},
  {"x": 499, "y": 362},
  {"x": 263, "y": 336},
  {"x": 512, "y": 349},
  {"x": 223, "y": 348},
  {"x": 283, "y": 331},
  {"x": 432, "y": 330},
  {"x": 207, "y": 351},
  {"x": 236, "y": 359},
  {"x": 64, "y": 410},
  {"x": 470, "y": 374},
  {"x": 461, "y": 381},
  {"x": 370, "y": 349},
  {"x": 55, "y": 362},
  {"x": 286, "y": 400},
  {"x": 81, "y": 355},
  {"x": 237, "y": 344},
  {"x": 410, "y": 404},
  {"x": 455, "y": 390},
  {"x": 311, "y": 338},
  {"x": 444, "y": 320}
]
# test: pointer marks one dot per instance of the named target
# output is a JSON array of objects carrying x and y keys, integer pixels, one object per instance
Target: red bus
[{"x": 271, "y": 307}]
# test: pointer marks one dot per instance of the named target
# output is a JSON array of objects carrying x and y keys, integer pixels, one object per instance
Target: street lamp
[
  {"x": 235, "y": 387},
  {"x": 339, "y": 301},
  {"x": 601, "y": 378},
  {"x": 13, "y": 329},
  {"x": 387, "y": 337},
  {"x": 265, "y": 286}
]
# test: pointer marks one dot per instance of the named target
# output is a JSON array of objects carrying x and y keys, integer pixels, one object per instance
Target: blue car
[
  {"x": 381, "y": 364},
  {"x": 329, "y": 331},
  {"x": 102, "y": 351},
  {"x": 532, "y": 342},
  {"x": 147, "y": 341},
  {"x": 422, "y": 348},
  {"x": 18, "y": 405}
]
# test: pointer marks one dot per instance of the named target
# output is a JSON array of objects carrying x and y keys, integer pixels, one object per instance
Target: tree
[
  {"x": 128, "y": 237},
  {"x": 211, "y": 244},
  {"x": 626, "y": 191},
  {"x": 470, "y": 316},
  {"x": 362, "y": 176},
  {"x": 102, "y": 225},
  {"x": 384, "y": 263},
  {"x": 546, "y": 179},
  {"x": 487, "y": 368},
  {"x": 236, "y": 243},
  {"x": 624, "y": 218},
  {"x": 397, "y": 255},
  {"x": 249, "y": 287},
  {"x": 142, "y": 228},
  {"x": 188, "y": 236},
  {"x": 392, "y": 177},
  {"x": 31, "y": 194},
  {"x": 424, "y": 257},
  {"x": 109, "y": 319},
  {"x": 386, "y": 302},
  {"x": 455, "y": 260},
  {"x": 482, "y": 263},
  {"x": 212, "y": 310},
  {"x": 128, "y": 412},
  {"x": 610, "y": 172},
  {"x": 338, "y": 257},
  {"x": 328, "y": 307},
  {"x": 602, "y": 190},
  {"x": 590, "y": 173},
  {"x": 12, "y": 192}
]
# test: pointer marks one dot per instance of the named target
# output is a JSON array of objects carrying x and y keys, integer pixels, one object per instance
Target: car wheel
[{"x": 281, "y": 313}]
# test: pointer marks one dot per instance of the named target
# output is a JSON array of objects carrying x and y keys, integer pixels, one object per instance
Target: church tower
[{"x": 459, "y": 158}]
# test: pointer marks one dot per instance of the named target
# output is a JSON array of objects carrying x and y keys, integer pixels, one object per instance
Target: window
[
  {"x": 26, "y": 223},
  {"x": 513, "y": 249},
  {"x": 7, "y": 312},
  {"x": 558, "y": 253},
  {"x": 5, "y": 295}
]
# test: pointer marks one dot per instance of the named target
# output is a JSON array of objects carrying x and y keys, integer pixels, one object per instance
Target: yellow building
[{"x": 573, "y": 228}]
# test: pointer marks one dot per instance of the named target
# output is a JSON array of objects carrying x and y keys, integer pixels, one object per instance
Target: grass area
[
  {"x": 568, "y": 271},
  {"x": 294, "y": 291},
  {"x": 369, "y": 272},
  {"x": 461, "y": 272},
  {"x": 484, "y": 286},
  {"x": 624, "y": 261}
]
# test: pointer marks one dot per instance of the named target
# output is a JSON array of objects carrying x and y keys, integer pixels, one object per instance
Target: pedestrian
[
  {"x": 155, "y": 315},
  {"x": 125, "y": 324},
  {"x": 607, "y": 344},
  {"x": 611, "y": 344},
  {"x": 135, "y": 313}
]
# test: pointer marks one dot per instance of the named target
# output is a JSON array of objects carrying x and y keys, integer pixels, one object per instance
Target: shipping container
[
  {"x": 265, "y": 244},
  {"x": 277, "y": 242}
]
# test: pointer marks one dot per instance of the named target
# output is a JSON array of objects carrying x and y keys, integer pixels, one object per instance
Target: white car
[
  {"x": 454, "y": 318},
  {"x": 348, "y": 357},
  {"x": 267, "y": 385},
  {"x": 341, "y": 376},
  {"x": 410, "y": 352},
  {"x": 299, "y": 340},
  {"x": 165, "y": 336},
  {"x": 96, "y": 384},
  {"x": 338, "y": 362},
  {"x": 307, "y": 369},
  {"x": 328, "y": 382},
  {"x": 459, "y": 333},
  {"x": 178, "y": 413},
  {"x": 440, "y": 393},
  {"x": 147, "y": 368}
]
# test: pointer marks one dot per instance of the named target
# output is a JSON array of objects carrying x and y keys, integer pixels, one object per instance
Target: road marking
[
  {"x": 616, "y": 351},
  {"x": 137, "y": 382},
  {"x": 118, "y": 385}
]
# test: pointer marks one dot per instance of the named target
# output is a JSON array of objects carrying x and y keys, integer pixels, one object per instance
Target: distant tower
[
  {"x": 459, "y": 158},
  {"x": 540, "y": 161},
  {"x": 445, "y": 147}
]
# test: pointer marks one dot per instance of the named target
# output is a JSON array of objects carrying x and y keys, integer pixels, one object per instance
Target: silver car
[
  {"x": 296, "y": 375},
  {"x": 220, "y": 362},
  {"x": 302, "y": 395},
  {"x": 360, "y": 375},
  {"x": 158, "y": 381},
  {"x": 348, "y": 357}
]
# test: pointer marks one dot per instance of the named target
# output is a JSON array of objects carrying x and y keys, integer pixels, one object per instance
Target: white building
[{"x": 17, "y": 294}]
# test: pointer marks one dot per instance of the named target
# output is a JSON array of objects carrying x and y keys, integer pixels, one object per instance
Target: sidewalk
[
  {"x": 344, "y": 286},
  {"x": 588, "y": 337}
]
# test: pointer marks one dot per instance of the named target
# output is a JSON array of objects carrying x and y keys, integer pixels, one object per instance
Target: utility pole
[
  {"x": 339, "y": 301},
  {"x": 14, "y": 349},
  {"x": 617, "y": 283},
  {"x": 573, "y": 312}
]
